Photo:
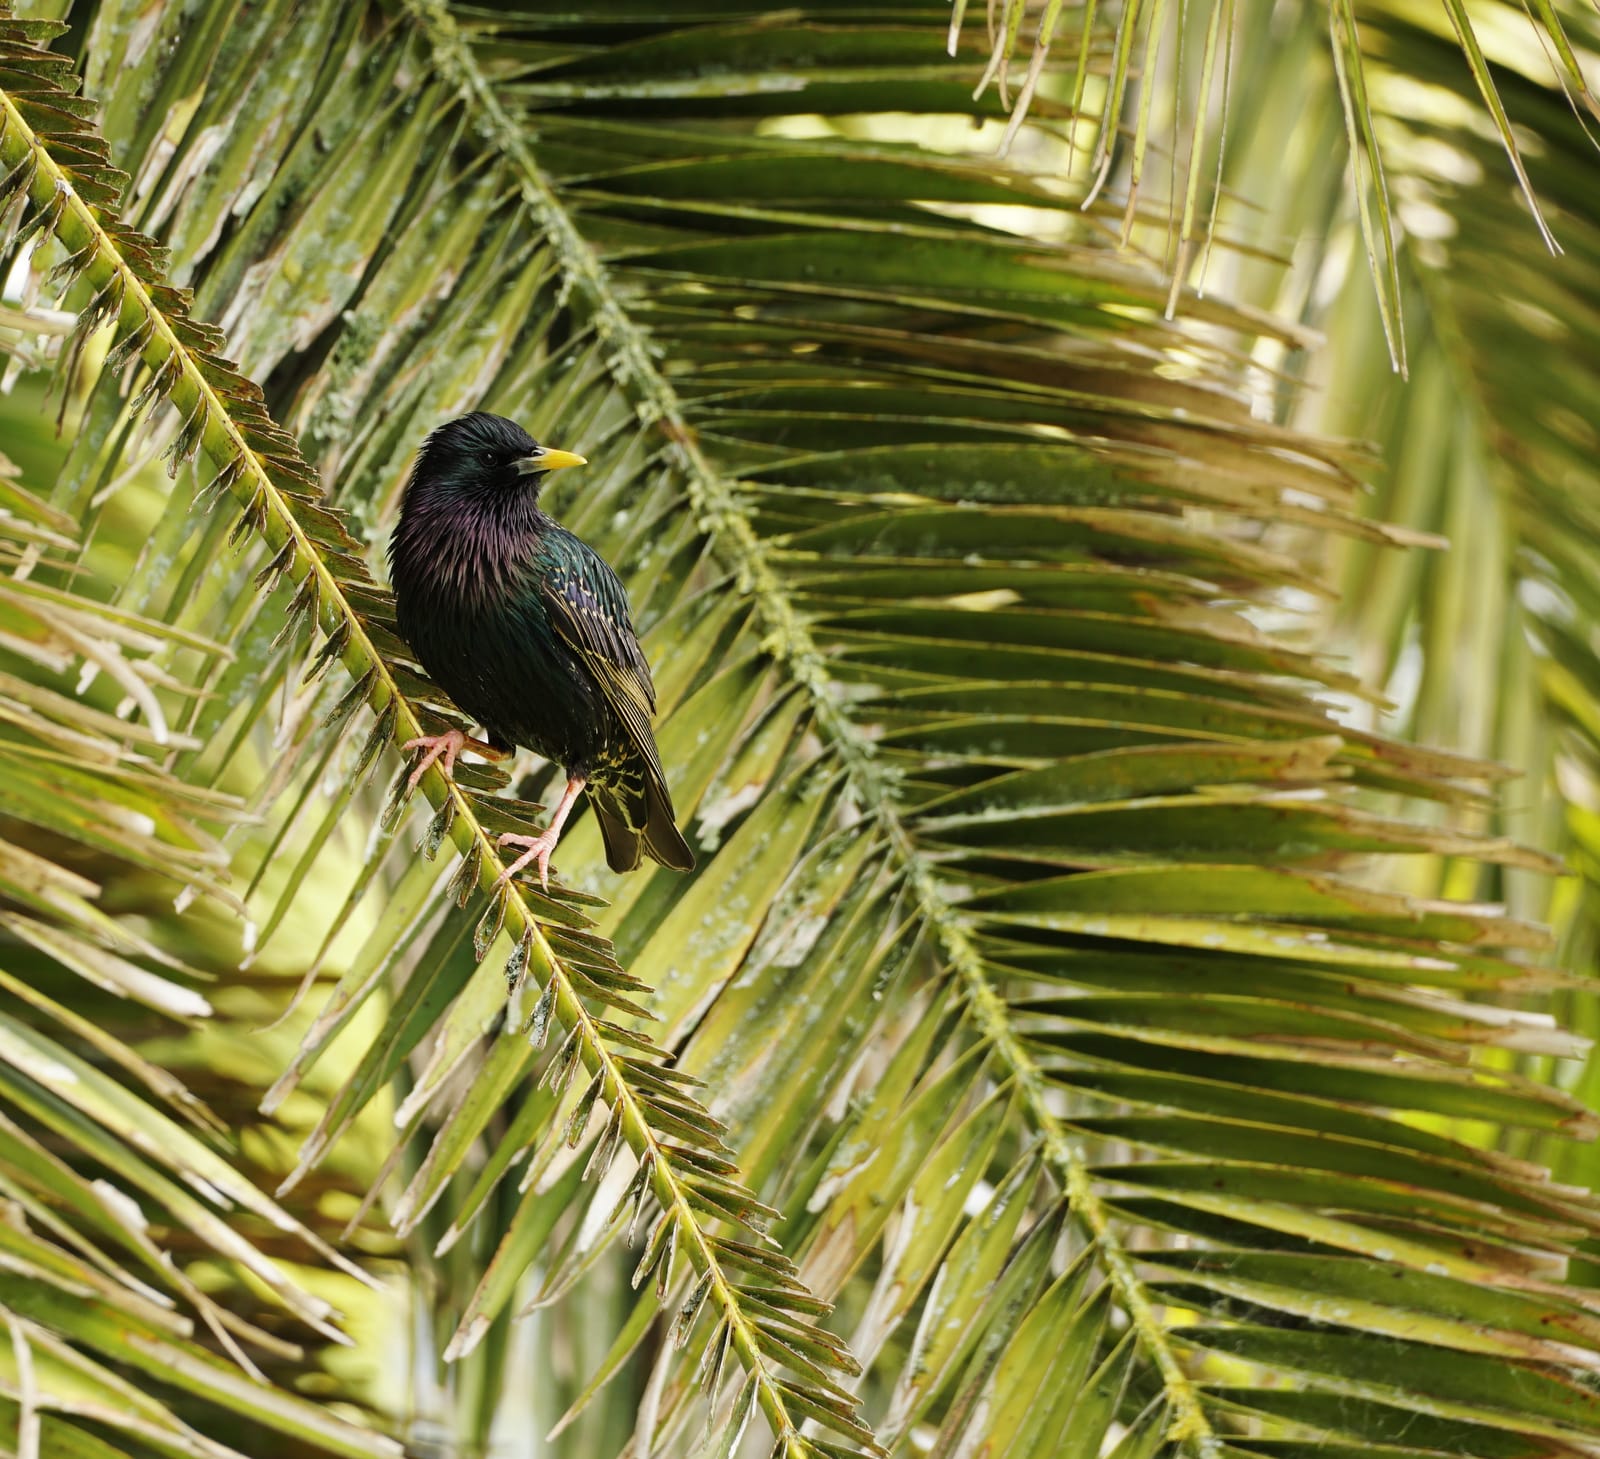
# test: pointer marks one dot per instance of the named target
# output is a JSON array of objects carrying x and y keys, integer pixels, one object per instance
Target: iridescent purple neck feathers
[{"x": 468, "y": 542}]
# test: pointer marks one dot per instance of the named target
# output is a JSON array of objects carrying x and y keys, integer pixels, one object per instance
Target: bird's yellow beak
[{"x": 548, "y": 458}]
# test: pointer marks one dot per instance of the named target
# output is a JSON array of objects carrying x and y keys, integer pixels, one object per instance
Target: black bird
[{"x": 527, "y": 629}]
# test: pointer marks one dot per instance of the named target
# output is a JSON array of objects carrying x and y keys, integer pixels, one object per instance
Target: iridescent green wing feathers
[{"x": 588, "y": 610}]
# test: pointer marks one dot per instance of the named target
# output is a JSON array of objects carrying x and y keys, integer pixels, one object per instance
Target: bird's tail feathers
[
  {"x": 622, "y": 841},
  {"x": 641, "y": 822},
  {"x": 663, "y": 841}
]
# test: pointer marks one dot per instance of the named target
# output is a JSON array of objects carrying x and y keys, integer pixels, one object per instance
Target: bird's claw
[
  {"x": 446, "y": 747},
  {"x": 437, "y": 747},
  {"x": 538, "y": 850}
]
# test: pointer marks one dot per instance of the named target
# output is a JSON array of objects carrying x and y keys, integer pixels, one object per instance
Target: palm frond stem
[
  {"x": 727, "y": 523},
  {"x": 225, "y": 442}
]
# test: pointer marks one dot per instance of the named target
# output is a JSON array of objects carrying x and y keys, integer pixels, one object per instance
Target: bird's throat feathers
[{"x": 467, "y": 540}]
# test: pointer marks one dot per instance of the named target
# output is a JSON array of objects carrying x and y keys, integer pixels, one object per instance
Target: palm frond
[
  {"x": 1045, "y": 965},
  {"x": 1485, "y": 451},
  {"x": 1146, "y": 44},
  {"x": 674, "y": 1141},
  {"x": 101, "y": 1147}
]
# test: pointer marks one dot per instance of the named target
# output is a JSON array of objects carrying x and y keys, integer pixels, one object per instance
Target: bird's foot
[
  {"x": 538, "y": 850},
  {"x": 445, "y": 747}
]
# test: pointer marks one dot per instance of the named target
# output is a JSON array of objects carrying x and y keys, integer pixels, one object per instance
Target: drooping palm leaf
[
  {"x": 1488, "y": 450},
  {"x": 1177, "y": 62}
]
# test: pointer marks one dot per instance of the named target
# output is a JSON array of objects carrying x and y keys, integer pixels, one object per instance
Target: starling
[{"x": 527, "y": 629}]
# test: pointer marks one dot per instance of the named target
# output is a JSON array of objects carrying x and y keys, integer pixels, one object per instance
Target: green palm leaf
[
  {"x": 1149, "y": 41},
  {"x": 259, "y": 465},
  {"x": 100, "y": 1146},
  {"x": 1487, "y": 456}
]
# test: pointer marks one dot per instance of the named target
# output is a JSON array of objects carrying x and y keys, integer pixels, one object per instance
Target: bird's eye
[{"x": 490, "y": 458}]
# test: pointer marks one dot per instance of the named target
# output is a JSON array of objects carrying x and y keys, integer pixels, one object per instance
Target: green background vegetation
[{"x": 1129, "y": 1002}]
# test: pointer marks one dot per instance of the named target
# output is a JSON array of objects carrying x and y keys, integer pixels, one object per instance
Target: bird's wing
[{"x": 589, "y": 611}]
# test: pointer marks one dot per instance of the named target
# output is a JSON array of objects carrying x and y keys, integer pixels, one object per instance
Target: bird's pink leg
[
  {"x": 446, "y": 747},
  {"x": 540, "y": 847}
]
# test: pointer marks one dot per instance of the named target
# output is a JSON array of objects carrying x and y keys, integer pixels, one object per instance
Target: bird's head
[{"x": 488, "y": 453}]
